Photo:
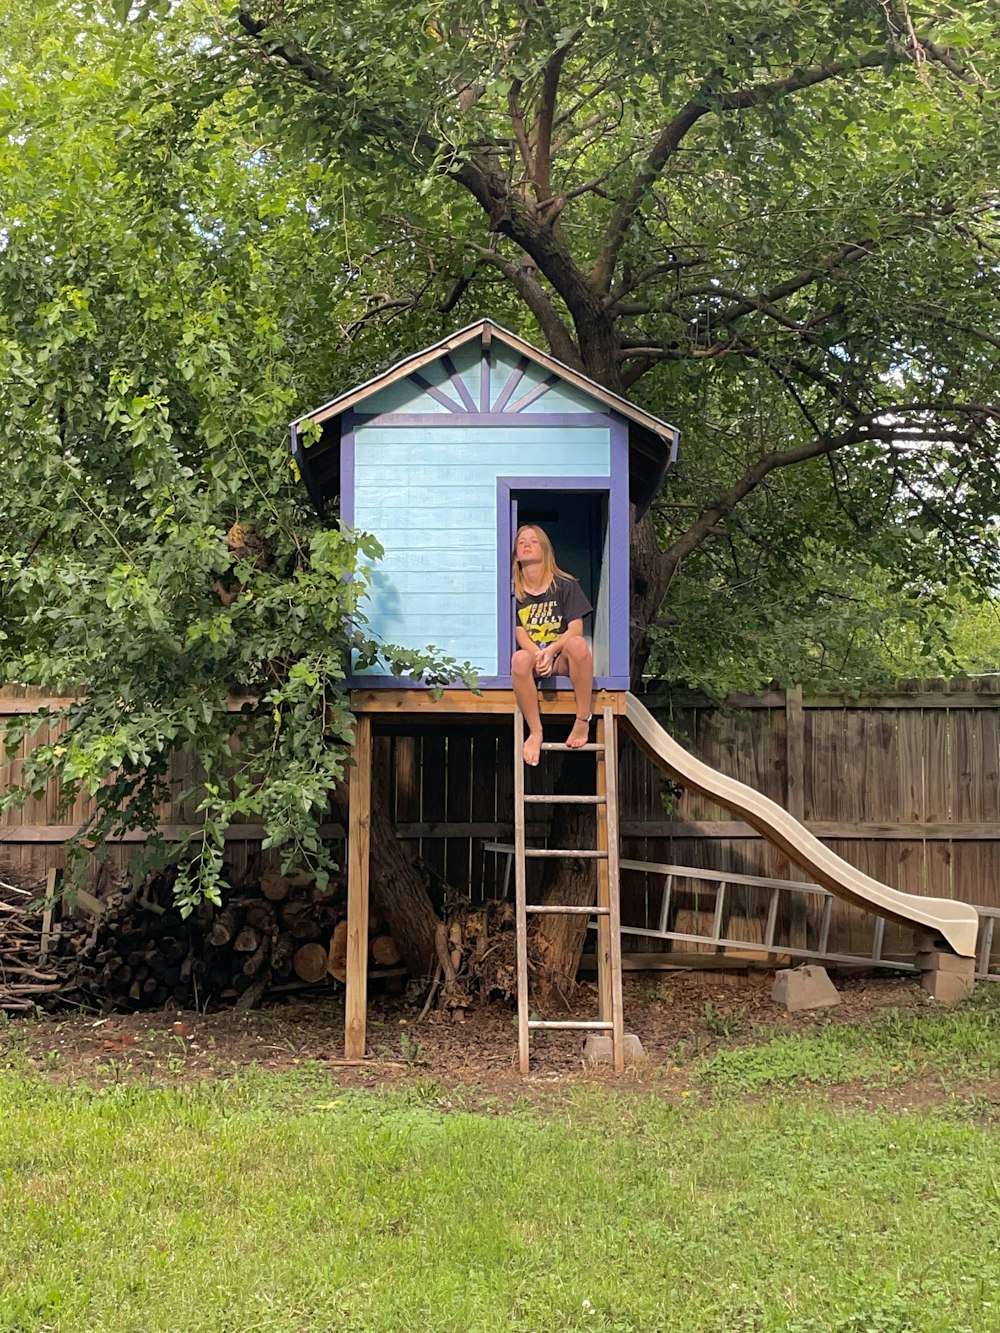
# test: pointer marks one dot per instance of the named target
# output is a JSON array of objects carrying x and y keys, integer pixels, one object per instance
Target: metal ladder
[{"x": 605, "y": 856}]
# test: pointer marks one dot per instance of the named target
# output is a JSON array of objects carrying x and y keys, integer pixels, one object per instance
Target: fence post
[{"x": 795, "y": 802}]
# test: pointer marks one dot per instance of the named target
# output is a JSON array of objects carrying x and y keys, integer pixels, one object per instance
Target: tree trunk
[
  {"x": 572, "y": 883},
  {"x": 398, "y": 893},
  {"x": 567, "y": 883}
]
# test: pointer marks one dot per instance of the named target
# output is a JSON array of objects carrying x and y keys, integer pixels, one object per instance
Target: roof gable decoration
[{"x": 523, "y": 377}]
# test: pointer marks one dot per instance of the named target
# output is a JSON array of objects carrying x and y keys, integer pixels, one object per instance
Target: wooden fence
[{"x": 906, "y": 786}]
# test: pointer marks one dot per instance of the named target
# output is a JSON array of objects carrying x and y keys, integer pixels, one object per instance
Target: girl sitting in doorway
[{"x": 548, "y": 631}]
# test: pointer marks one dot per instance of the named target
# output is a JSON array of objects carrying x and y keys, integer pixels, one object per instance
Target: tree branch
[
  {"x": 542, "y": 130},
  {"x": 671, "y": 136},
  {"x": 885, "y": 425},
  {"x": 538, "y": 301}
]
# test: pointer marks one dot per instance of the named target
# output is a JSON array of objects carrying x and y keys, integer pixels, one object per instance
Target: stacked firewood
[
  {"x": 38, "y": 966},
  {"x": 277, "y": 934},
  {"x": 128, "y": 947},
  {"x": 477, "y": 956}
]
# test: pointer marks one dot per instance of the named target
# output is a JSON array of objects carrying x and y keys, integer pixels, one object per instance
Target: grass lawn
[{"x": 753, "y": 1201}]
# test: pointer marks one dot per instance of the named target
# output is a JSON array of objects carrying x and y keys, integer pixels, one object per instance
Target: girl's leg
[
  {"x": 526, "y": 694},
  {"x": 578, "y": 661}
]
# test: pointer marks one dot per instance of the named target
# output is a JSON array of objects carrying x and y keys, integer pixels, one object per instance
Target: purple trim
[
  {"x": 458, "y": 383},
  {"x": 408, "y": 683},
  {"x": 508, "y": 389},
  {"x": 484, "y": 379},
  {"x": 505, "y": 594},
  {"x": 347, "y": 448},
  {"x": 505, "y": 541},
  {"x": 434, "y": 393},
  {"x": 537, "y": 392},
  {"x": 529, "y": 483},
  {"x": 537, "y": 419},
  {"x": 618, "y": 554}
]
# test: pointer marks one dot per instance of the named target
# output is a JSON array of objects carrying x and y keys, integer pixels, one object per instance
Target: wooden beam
[
  {"x": 51, "y": 885},
  {"x": 358, "y": 875},
  {"x": 468, "y": 706},
  {"x": 13, "y": 835},
  {"x": 957, "y": 698}
]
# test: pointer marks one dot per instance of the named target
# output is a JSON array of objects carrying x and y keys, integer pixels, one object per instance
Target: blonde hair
[{"x": 549, "y": 567}]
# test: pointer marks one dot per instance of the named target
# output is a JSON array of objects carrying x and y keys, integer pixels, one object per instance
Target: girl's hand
[{"x": 543, "y": 663}]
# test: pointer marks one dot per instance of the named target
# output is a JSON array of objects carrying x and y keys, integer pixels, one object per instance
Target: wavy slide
[{"x": 957, "y": 923}]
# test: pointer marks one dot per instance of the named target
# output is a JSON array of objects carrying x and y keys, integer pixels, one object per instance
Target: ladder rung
[
  {"x": 568, "y": 1023},
  {"x": 570, "y": 911},
  {"x": 564, "y": 800},
  {"x": 579, "y": 749},
  {"x": 567, "y": 852}
]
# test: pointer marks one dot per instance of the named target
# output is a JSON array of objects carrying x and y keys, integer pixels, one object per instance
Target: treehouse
[
  {"x": 445, "y": 455},
  {"x": 442, "y": 458}
]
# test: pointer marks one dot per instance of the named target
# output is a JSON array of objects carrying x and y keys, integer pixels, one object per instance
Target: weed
[
  {"x": 721, "y": 1024},
  {"x": 410, "y": 1049}
]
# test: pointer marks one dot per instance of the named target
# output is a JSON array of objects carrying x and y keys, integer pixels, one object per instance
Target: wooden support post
[
  {"x": 604, "y": 981},
  {"x": 795, "y": 753},
  {"x": 610, "y": 756},
  {"x": 520, "y": 874},
  {"x": 795, "y": 803},
  {"x": 358, "y": 874}
]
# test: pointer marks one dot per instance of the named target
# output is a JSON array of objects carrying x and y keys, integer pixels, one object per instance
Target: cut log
[
  {"x": 274, "y": 886},
  {"x": 258, "y": 958},
  {"x": 398, "y": 894},
  {"x": 224, "y": 927},
  {"x": 281, "y": 955},
  {"x": 310, "y": 962},
  {"x": 262, "y": 915},
  {"x": 384, "y": 950},
  {"x": 248, "y": 940},
  {"x": 252, "y": 996}
]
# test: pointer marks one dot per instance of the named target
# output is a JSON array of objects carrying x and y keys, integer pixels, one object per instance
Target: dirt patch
[{"x": 677, "y": 1016}]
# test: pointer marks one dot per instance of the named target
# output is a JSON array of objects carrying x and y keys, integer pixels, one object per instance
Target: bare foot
[
  {"x": 533, "y": 749},
  {"x": 580, "y": 734}
]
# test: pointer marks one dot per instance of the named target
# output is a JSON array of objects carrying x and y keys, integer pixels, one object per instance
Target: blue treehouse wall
[{"x": 442, "y": 457}]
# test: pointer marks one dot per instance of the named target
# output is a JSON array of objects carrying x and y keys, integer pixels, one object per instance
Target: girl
[{"x": 548, "y": 631}]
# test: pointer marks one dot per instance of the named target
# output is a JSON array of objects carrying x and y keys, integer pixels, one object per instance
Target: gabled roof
[{"x": 652, "y": 442}]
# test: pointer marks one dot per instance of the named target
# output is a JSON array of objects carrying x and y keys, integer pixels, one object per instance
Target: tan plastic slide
[{"x": 957, "y": 923}]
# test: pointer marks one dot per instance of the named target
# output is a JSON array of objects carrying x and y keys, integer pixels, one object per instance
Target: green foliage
[
  {"x": 775, "y": 226},
  {"x": 158, "y": 307}
]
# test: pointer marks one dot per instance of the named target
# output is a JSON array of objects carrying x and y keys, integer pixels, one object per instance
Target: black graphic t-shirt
[{"x": 545, "y": 615}]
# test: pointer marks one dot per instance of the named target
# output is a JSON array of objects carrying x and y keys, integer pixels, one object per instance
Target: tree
[
  {"x": 157, "y": 557},
  {"x": 773, "y": 224}
]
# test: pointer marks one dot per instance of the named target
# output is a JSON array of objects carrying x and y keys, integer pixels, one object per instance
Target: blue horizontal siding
[
  {"x": 467, "y": 516},
  {"x": 454, "y": 445},
  {"x": 429, "y": 495}
]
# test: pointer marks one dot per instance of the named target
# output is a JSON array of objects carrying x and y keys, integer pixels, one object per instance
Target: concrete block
[
  {"x": 937, "y": 960},
  {"x": 809, "y": 987},
  {"x": 598, "y": 1049},
  {"x": 948, "y": 987}
]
